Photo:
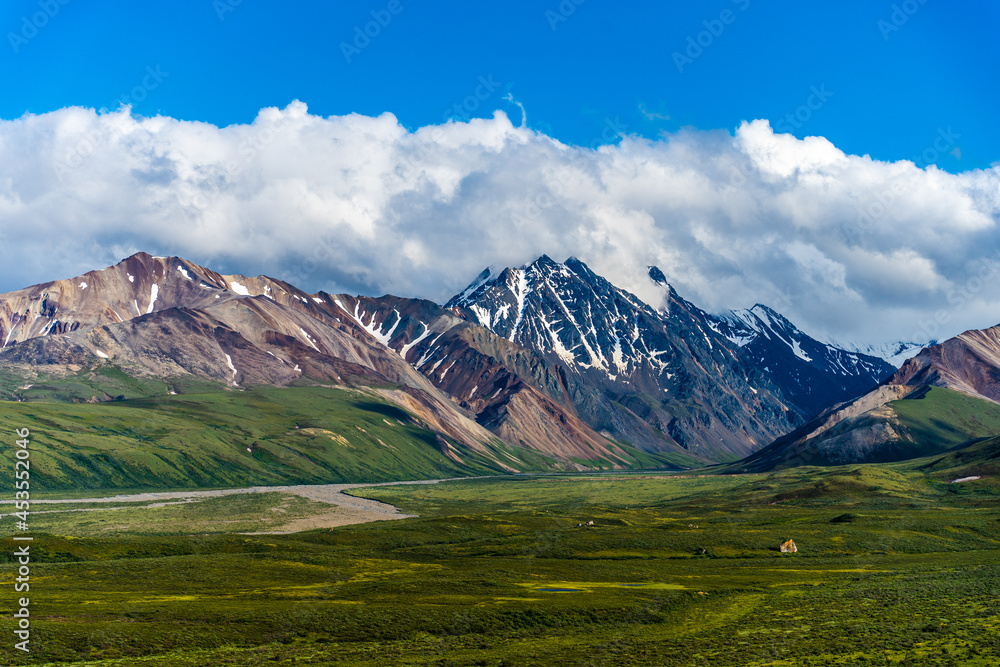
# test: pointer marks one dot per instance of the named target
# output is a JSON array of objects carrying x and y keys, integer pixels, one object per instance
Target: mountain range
[
  {"x": 669, "y": 374},
  {"x": 944, "y": 399},
  {"x": 548, "y": 362}
]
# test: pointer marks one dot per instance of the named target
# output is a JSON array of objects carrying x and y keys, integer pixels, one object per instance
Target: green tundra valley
[{"x": 895, "y": 565}]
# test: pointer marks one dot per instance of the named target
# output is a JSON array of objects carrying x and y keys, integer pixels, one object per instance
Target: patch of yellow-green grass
[{"x": 588, "y": 586}]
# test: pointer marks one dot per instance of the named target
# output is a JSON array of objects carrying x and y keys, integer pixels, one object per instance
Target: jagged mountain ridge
[
  {"x": 894, "y": 352},
  {"x": 706, "y": 381},
  {"x": 810, "y": 373},
  {"x": 589, "y": 363},
  {"x": 477, "y": 368},
  {"x": 969, "y": 362},
  {"x": 669, "y": 367},
  {"x": 484, "y": 371},
  {"x": 604, "y": 328},
  {"x": 84, "y": 311},
  {"x": 167, "y": 317}
]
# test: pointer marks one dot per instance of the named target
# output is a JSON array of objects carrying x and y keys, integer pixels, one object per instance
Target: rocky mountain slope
[
  {"x": 969, "y": 362},
  {"x": 714, "y": 385},
  {"x": 548, "y": 357},
  {"x": 164, "y": 317},
  {"x": 478, "y": 370},
  {"x": 947, "y": 394},
  {"x": 811, "y": 375}
]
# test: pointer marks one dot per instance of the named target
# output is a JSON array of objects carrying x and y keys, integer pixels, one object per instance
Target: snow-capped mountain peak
[
  {"x": 666, "y": 291},
  {"x": 744, "y": 326},
  {"x": 567, "y": 311}
]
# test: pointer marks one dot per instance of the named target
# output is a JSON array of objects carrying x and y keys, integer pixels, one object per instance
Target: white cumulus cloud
[{"x": 845, "y": 246}]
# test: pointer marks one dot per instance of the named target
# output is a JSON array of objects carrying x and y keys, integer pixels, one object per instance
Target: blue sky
[{"x": 578, "y": 69}]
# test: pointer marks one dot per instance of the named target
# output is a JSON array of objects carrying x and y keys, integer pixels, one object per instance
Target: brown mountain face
[
  {"x": 969, "y": 362},
  {"x": 479, "y": 370},
  {"x": 164, "y": 317},
  {"x": 871, "y": 428}
]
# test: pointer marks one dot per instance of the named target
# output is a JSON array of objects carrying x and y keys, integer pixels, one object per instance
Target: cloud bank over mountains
[{"x": 845, "y": 246}]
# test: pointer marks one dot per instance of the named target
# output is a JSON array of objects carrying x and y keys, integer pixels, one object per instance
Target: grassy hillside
[
  {"x": 102, "y": 382},
  {"x": 979, "y": 458},
  {"x": 929, "y": 421},
  {"x": 235, "y": 438},
  {"x": 938, "y": 419},
  {"x": 130, "y": 403}
]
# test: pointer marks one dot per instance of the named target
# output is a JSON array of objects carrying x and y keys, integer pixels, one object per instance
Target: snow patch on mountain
[
  {"x": 374, "y": 327},
  {"x": 406, "y": 348},
  {"x": 484, "y": 316},
  {"x": 229, "y": 362},
  {"x": 153, "y": 293},
  {"x": 309, "y": 339},
  {"x": 894, "y": 352},
  {"x": 520, "y": 292}
]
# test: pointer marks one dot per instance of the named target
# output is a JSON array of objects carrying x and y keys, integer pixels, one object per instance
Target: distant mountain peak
[
  {"x": 680, "y": 367},
  {"x": 893, "y": 352},
  {"x": 657, "y": 276}
]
